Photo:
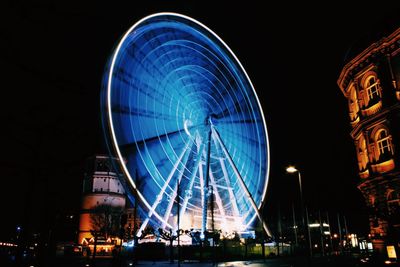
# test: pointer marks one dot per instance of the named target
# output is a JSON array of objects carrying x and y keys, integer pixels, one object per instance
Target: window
[
  {"x": 384, "y": 143},
  {"x": 372, "y": 88},
  {"x": 362, "y": 153},
  {"x": 392, "y": 196},
  {"x": 353, "y": 104},
  {"x": 382, "y": 150},
  {"x": 393, "y": 202}
]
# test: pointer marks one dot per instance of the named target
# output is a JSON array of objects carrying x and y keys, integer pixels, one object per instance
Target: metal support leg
[
  {"x": 192, "y": 178},
  {"x": 160, "y": 195},
  {"x": 206, "y": 184},
  {"x": 240, "y": 179}
]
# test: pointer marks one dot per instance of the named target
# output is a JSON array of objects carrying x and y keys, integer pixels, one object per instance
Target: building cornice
[
  {"x": 384, "y": 46},
  {"x": 379, "y": 180}
]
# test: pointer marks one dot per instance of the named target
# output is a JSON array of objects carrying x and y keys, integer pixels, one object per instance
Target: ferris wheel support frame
[
  {"x": 200, "y": 149},
  {"x": 232, "y": 198},
  {"x": 240, "y": 179},
  {"x": 160, "y": 195},
  {"x": 206, "y": 185}
]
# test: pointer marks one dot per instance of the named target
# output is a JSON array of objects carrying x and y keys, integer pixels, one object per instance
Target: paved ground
[
  {"x": 334, "y": 261},
  {"x": 274, "y": 262}
]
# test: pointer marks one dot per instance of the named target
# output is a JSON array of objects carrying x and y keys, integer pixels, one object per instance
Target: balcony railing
[
  {"x": 384, "y": 166},
  {"x": 372, "y": 109}
]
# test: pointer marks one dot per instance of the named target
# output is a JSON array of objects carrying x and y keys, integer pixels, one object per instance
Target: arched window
[
  {"x": 372, "y": 201},
  {"x": 370, "y": 93},
  {"x": 381, "y": 149},
  {"x": 384, "y": 143},
  {"x": 353, "y": 104},
  {"x": 362, "y": 153},
  {"x": 392, "y": 196},
  {"x": 372, "y": 87},
  {"x": 393, "y": 202}
]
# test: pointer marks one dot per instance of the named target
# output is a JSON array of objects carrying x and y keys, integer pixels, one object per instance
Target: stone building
[{"x": 371, "y": 83}]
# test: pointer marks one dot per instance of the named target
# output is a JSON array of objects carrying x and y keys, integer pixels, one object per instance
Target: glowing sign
[{"x": 391, "y": 251}]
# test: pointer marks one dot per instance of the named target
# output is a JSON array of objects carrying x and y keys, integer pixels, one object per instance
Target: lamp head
[{"x": 291, "y": 169}]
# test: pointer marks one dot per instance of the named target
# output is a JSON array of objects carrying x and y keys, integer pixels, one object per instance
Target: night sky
[{"x": 53, "y": 57}]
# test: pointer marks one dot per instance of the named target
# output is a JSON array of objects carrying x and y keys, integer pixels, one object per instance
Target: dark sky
[{"x": 52, "y": 61}]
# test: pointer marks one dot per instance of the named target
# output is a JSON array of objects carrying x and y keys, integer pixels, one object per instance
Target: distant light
[
  {"x": 291, "y": 169},
  {"x": 18, "y": 228},
  {"x": 130, "y": 264},
  {"x": 388, "y": 262},
  {"x": 335, "y": 235}
]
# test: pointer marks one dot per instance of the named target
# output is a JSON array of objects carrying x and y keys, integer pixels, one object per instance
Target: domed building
[{"x": 371, "y": 83}]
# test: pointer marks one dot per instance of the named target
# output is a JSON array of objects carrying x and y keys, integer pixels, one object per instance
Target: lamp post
[{"x": 292, "y": 169}]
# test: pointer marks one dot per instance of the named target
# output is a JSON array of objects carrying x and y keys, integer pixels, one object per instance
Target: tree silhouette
[{"x": 106, "y": 222}]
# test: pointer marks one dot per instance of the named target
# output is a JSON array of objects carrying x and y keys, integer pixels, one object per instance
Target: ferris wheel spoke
[
  {"x": 141, "y": 113},
  {"x": 141, "y": 143},
  {"x": 240, "y": 179},
  {"x": 243, "y": 121},
  {"x": 235, "y": 135},
  {"x": 160, "y": 195},
  {"x": 235, "y": 108}
]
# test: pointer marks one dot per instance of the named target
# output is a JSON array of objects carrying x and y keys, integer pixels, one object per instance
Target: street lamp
[{"x": 292, "y": 169}]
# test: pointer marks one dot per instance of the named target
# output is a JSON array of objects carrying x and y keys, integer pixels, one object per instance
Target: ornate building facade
[{"x": 371, "y": 83}]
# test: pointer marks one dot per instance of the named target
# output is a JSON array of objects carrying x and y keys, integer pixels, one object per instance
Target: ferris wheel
[{"x": 185, "y": 121}]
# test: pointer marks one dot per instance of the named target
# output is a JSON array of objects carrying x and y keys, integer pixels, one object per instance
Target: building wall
[
  {"x": 106, "y": 182},
  {"x": 89, "y": 203},
  {"x": 102, "y": 186},
  {"x": 370, "y": 82}
]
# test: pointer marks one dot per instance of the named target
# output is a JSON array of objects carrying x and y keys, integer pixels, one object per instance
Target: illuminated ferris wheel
[{"x": 182, "y": 115}]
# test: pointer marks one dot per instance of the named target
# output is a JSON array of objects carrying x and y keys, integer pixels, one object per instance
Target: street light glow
[{"x": 291, "y": 169}]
